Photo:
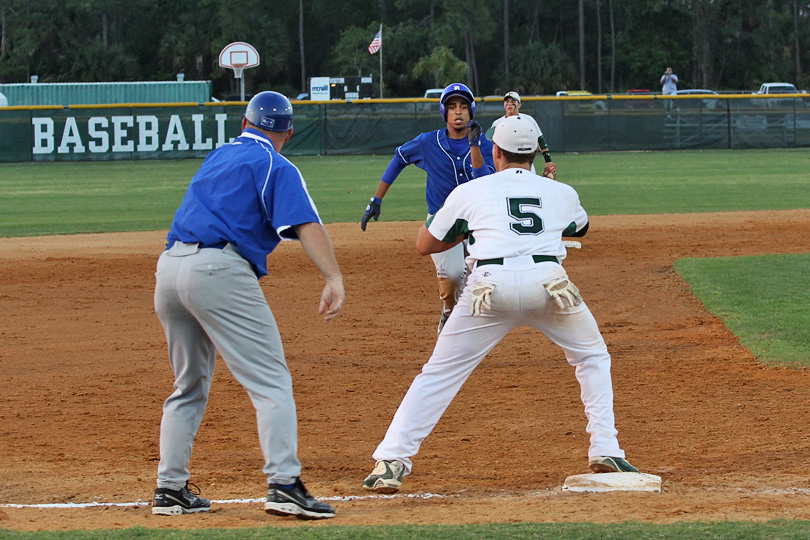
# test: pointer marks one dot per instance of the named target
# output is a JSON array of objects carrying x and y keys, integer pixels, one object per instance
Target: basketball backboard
[{"x": 239, "y": 56}]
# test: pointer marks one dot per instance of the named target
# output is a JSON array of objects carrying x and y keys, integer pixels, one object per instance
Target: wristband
[{"x": 547, "y": 157}]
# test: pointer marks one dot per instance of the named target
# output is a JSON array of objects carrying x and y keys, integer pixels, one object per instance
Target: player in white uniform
[
  {"x": 515, "y": 221},
  {"x": 511, "y": 106}
]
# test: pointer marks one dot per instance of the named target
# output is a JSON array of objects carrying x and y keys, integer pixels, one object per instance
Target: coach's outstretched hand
[{"x": 372, "y": 211}]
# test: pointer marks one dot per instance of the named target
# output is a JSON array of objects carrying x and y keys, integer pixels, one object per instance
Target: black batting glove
[
  {"x": 372, "y": 211},
  {"x": 474, "y": 135}
]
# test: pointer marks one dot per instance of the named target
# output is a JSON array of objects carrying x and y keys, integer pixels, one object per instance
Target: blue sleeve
[
  {"x": 290, "y": 202},
  {"x": 409, "y": 153},
  {"x": 393, "y": 170}
]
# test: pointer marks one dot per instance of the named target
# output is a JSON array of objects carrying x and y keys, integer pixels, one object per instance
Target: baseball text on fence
[{"x": 128, "y": 133}]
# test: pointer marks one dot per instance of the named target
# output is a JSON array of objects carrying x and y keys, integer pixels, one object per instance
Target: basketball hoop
[{"x": 239, "y": 56}]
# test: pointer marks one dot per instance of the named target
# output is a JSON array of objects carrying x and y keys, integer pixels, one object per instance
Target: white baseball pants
[
  {"x": 451, "y": 271},
  {"x": 519, "y": 299}
]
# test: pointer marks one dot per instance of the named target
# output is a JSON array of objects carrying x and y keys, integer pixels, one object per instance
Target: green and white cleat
[
  {"x": 606, "y": 464},
  {"x": 386, "y": 477}
]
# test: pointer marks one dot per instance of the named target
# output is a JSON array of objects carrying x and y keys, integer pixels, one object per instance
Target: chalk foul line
[{"x": 140, "y": 502}]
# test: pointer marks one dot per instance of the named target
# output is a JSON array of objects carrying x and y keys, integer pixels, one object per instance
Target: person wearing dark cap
[
  {"x": 242, "y": 202},
  {"x": 451, "y": 156}
]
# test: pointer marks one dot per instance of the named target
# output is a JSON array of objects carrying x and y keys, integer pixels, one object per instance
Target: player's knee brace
[{"x": 449, "y": 291}]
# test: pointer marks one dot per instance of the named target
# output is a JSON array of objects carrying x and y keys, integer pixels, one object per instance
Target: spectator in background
[{"x": 669, "y": 81}]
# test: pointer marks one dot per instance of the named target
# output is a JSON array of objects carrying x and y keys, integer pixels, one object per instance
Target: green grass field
[
  {"x": 777, "y": 529},
  {"x": 764, "y": 300},
  {"x": 65, "y": 198}
]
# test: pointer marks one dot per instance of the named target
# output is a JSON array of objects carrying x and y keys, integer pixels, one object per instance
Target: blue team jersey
[
  {"x": 247, "y": 194},
  {"x": 446, "y": 168}
]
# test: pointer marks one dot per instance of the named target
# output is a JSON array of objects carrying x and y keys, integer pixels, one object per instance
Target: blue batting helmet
[
  {"x": 271, "y": 111},
  {"x": 456, "y": 89}
]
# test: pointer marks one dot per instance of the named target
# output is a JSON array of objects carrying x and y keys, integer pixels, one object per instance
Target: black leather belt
[
  {"x": 535, "y": 258},
  {"x": 218, "y": 245}
]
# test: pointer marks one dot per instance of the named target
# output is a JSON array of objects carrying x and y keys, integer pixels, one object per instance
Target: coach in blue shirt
[
  {"x": 450, "y": 156},
  {"x": 243, "y": 201}
]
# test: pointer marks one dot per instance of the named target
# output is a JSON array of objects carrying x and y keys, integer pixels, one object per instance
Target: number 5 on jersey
[{"x": 529, "y": 222}]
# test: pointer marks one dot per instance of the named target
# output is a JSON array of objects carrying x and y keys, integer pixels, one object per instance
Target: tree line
[{"x": 533, "y": 46}]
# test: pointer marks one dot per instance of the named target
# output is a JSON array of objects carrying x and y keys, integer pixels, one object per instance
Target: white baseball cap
[
  {"x": 516, "y": 134},
  {"x": 513, "y": 95}
]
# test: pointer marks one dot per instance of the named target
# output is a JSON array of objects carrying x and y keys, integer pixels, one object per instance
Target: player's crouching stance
[{"x": 517, "y": 280}]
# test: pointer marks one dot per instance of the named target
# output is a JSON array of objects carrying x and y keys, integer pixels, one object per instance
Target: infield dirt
[{"x": 84, "y": 373}]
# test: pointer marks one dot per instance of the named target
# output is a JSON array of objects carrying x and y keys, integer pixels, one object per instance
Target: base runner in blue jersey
[
  {"x": 515, "y": 221},
  {"x": 450, "y": 156},
  {"x": 244, "y": 200}
]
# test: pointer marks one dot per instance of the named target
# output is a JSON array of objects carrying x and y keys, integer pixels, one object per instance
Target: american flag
[{"x": 376, "y": 43}]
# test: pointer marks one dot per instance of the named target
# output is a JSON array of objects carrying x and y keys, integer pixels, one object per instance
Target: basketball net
[{"x": 237, "y": 70}]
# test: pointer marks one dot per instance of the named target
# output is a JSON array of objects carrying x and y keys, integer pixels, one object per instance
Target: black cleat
[
  {"x": 168, "y": 502},
  {"x": 295, "y": 502}
]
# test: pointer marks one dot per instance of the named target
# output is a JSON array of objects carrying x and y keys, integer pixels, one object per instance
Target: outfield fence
[{"x": 363, "y": 127}]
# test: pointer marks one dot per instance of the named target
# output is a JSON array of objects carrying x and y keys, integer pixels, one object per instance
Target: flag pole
[{"x": 381, "y": 63}]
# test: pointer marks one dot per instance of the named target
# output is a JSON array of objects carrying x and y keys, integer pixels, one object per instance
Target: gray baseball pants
[{"x": 209, "y": 300}]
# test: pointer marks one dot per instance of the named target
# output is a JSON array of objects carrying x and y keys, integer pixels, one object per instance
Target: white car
[
  {"x": 433, "y": 93},
  {"x": 579, "y": 93},
  {"x": 777, "y": 88},
  {"x": 708, "y": 101},
  {"x": 694, "y": 91}
]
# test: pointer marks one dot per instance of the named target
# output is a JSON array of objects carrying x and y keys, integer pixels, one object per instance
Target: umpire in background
[{"x": 242, "y": 202}]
